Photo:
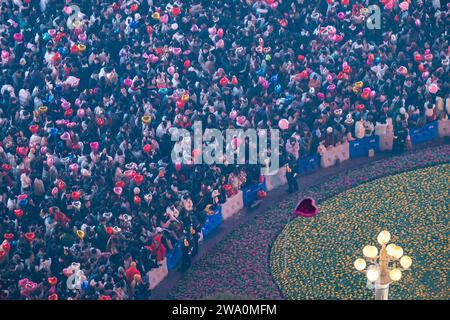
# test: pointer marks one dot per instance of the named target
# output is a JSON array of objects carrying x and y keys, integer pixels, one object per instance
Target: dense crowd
[{"x": 88, "y": 103}]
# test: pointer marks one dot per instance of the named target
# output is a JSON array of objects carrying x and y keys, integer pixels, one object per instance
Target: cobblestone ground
[
  {"x": 239, "y": 265},
  {"x": 313, "y": 258}
]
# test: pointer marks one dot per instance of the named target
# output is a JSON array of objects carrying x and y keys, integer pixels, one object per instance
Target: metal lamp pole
[{"x": 383, "y": 269}]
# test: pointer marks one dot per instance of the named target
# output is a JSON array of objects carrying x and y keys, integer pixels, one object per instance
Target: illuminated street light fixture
[{"x": 384, "y": 268}]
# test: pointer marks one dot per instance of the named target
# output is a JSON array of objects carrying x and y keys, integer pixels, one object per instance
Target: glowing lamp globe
[
  {"x": 384, "y": 237},
  {"x": 390, "y": 248},
  {"x": 370, "y": 252},
  {"x": 360, "y": 264},
  {"x": 395, "y": 274},
  {"x": 405, "y": 262},
  {"x": 372, "y": 273},
  {"x": 398, "y": 252}
]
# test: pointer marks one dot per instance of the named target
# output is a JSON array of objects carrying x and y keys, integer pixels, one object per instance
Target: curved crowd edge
[{"x": 382, "y": 141}]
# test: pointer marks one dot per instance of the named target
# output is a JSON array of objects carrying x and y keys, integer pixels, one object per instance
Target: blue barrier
[
  {"x": 361, "y": 147},
  {"x": 174, "y": 256},
  {"x": 249, "y": 194},
  {"x": 212, "y": 222},
  {"x": 427, "y": 133},
  {"x": 308, "y": 164}
]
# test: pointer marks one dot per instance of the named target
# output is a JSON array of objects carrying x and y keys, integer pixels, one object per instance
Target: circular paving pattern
[{"x": 313, "y": 258}]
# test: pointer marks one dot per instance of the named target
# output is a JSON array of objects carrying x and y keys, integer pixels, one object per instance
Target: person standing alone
[{"x": 291, "y": 174}]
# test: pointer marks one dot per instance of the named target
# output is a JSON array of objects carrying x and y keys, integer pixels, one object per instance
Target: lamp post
[{"x": 384, "y": 268}]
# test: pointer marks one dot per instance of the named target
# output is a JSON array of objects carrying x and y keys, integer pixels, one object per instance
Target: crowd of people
[{"x": 89, "y": 98}]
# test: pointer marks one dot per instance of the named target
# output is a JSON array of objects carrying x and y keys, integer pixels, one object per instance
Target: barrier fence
[
  {"x": 250, "y": 194},
  {"x": 212, "y": 222},
  {"x": 354, "y": 149},
  {"x": 427, "y": 133}
]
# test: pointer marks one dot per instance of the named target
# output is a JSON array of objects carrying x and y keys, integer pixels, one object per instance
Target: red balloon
[
  {"x": 109, "y": 230},
  {"x": 18, "y": 213},
  {"x": 75, "y": 195},
  {"x": 6, "y": 246},
  {"x": 300, "y": 57},
  {"x": 68, "y": 113},
  {"x": 149, "y": 30},
  {"x": 61, "y": 185},
  {"x": 147, "y": 148},
  {"x": 421, "y": 68},
  {"x": 177, "y": 166},
  {"x": 345, "y": 2},
  {"x": 100, "y": 122},
  {"x": 137, "y": 199},
  {"x": 179, "y": 104},
  {"x": 187, "y": 63},
  {"x": 120, "y": 184},
  {"x": 304, "y": 74},
  {"x": 30, "y": 236},
  {"x": 138, "y": 179},
  {"x": 223, "y": 81},
  {"x": 234, "y": 81},
  {"x": 74, "y": 49},
  {"x": 8, "y": 236},
  {"x": 52, "y": 281},
  {"x": 176, "y": 11},
  {"x": 33, "y": 128},
  {"x": 53, "y": 297},
  {"x": 56, "y": 57},
  {"x": 261, "y": 194}
]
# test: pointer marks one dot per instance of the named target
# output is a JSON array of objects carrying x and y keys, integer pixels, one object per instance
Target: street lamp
[{"x": 384, "y": 268}]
